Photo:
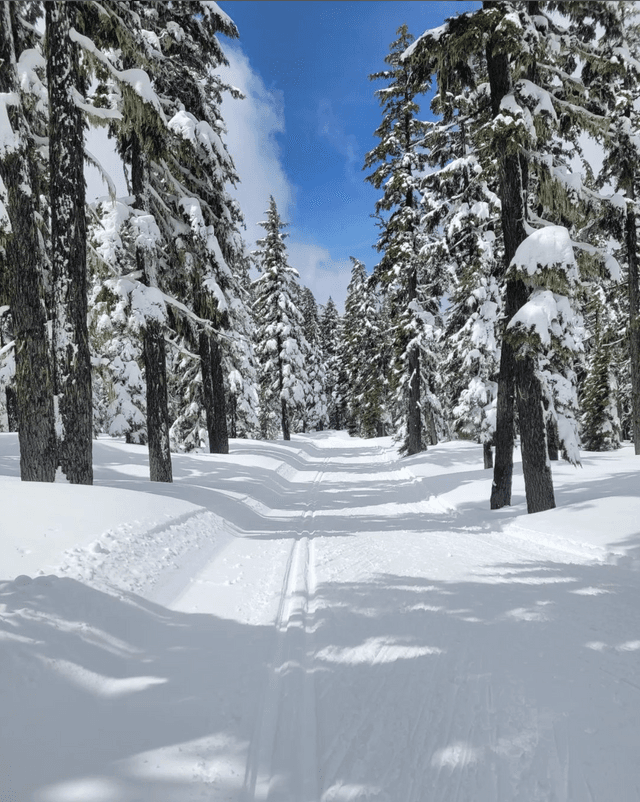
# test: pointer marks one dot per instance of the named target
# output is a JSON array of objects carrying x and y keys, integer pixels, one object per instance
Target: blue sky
[{"x": 309, "y": 118}]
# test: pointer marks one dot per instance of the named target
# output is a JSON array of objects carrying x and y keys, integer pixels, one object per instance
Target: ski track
[{"x": 445, "y": 676}]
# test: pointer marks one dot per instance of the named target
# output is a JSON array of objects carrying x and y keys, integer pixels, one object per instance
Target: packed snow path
[{"x": 322, "y": 622}]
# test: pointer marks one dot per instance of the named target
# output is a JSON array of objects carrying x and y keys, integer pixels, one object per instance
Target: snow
[
  {"x": 318, "y": 620},
  {"x": 548, "y": 247},
  {"x": 9, "y": 140}
]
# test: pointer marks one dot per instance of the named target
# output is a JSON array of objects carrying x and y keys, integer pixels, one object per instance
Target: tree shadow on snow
[
  {"x": 93, "y": 684},
  {"x": 518, "y": 684}
]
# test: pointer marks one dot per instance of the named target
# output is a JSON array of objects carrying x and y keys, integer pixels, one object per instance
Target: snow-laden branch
[{"x": 135, "y": 78}]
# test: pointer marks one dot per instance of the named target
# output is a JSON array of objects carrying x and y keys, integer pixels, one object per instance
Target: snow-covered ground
[{"x": 318, "y": 622}]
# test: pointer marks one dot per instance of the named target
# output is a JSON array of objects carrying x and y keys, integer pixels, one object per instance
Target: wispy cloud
[
  {"x": 253, "y": 125},
  {"x": 331, "y": 128}
]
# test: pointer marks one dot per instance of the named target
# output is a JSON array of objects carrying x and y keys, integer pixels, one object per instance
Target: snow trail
[{"x": 319, "y": 621}]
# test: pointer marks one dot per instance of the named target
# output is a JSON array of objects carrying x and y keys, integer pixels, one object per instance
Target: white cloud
[
  {"x": 323, "y": 275},
  {"x": 253, "y": 125}
]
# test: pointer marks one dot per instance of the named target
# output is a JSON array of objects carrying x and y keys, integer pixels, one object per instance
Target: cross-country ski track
[{"x": 319, "y": 621}]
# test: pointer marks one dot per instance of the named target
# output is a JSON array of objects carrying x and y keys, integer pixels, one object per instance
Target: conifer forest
[{"x": 501, "y": 305}]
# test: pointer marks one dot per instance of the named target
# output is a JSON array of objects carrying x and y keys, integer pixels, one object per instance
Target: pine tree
[
  {"x": 315, "y": 412},
  {"x": 527, "y": 127},
  {"x": 22, "y": 251},
  {"x": 400, "y": 162},
  {"x": 71, "y": 362},
  {"x": 613, "y": 74},
  {"x": 462, "y": 219},
  {"x": 361, "y": 355},
  {"x": 280, "y": 341},
  {"x": 329, "y": 340},
  {"x": 183, "y": 186},
  {"x": 600, "y": 421}
]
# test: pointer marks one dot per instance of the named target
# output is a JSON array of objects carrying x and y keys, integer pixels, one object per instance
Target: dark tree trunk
[
  {"x": 538, "y": 480},
  {"x": 518, "y": 373},
  {"x": 284, "y": 417},
  {"x": 12, "y": 408},
  {"x": 72, "y": 361},
  {"x": 233, "y": 416},
  {"x": 160, "y": 469},
  {"x": 487, "y": 453},
  {"x": 414, "y": 413},
  {"x": 157, "y": 407},
  {"x": 634, "y": 318},
  {"x": 213, "y": 391},
  {"x": 284, "y": 411},
  {"x": 34, "y": 386},
  {"x": 553, "y": 441}
]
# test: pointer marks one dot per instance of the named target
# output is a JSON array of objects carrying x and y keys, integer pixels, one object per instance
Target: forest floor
[{"x": 319, "y": 621}]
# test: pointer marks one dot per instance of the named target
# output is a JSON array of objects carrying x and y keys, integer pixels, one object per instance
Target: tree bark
[
  {"x": 538, "y": 480},
  {"x": 553, "y": 441},
  {"x": 414, "y": 413},
  {"x": 631, "y": 240},
  {"x": 12, "y": 408},
  {"x": 213, "y": 392},
  {"x": 519, "y": 373},
  {"x": 155, "y": 366},
  {"x": 284, "y": 418},
  {"x": 487, "y": 453},
  {"x": 72, "y": 361},
  {"x": 34, "y": 386}
]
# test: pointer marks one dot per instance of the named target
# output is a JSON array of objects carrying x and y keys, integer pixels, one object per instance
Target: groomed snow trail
[
  {"x": 320, "y": 621},
  {"x": 425, "y": 650}
]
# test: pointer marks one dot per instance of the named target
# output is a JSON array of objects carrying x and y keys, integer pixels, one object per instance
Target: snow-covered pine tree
[
  {"x": 600, "y": 421},
  {"x": 361, "y": 355},
  {"x": 114, "y": 324},
  {"x": 530, "y": 119},
  {"x": 330, "y": 345},
  {"x": 315, "y": 414},
  {"x": 612, "y": 72},
  {"x": 400, "y": 161},
  {"x": 120, "y": 48},
  {"x": 71, "y": 358},
  {"x": 461, "y": 215},
  {"x": 21, "y": 244},
  {"x": 280, "y": 340}
]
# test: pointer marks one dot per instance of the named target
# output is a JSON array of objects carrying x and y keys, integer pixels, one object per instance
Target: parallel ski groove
[{"x": 283, "y": 716}]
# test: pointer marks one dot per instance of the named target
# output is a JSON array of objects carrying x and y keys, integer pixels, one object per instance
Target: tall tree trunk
[
  {"x": 155, "y": 366},
  {"x": 553, "y": 441},
  {"x": 487, "y": 454},
  {"x": 34, "y": 386},
  {"x": 12, "y": 408},
  {"x": 213, "y": 391},
  {"x": 72, "y": 361},
  {"x": 284, "y": 411},
  {"x": 414, "y": 414},
  {"x": 516, "y": 373},
  {"x": 631, "y": 240},
  {"x": 284, "y": 419}
]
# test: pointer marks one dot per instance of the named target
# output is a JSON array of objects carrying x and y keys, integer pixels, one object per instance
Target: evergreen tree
[
  {"x": 71, "y": 358},
  {"x": 315, "y": 411},
  {"x": 612, "y": 71},
  {"x": 600, "y": 421},
  {"x": 462, "y": 218},
  {"x": 400, "y": 162},
  {"x": 183, "y": 183},
  {"x": 22, "y": 252},
  {"x": 361, "y": 355},
  {"x": 330, "y": 345},
  {"x": 527, "y": 126},
  {"x": 280, "y": 341}
]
